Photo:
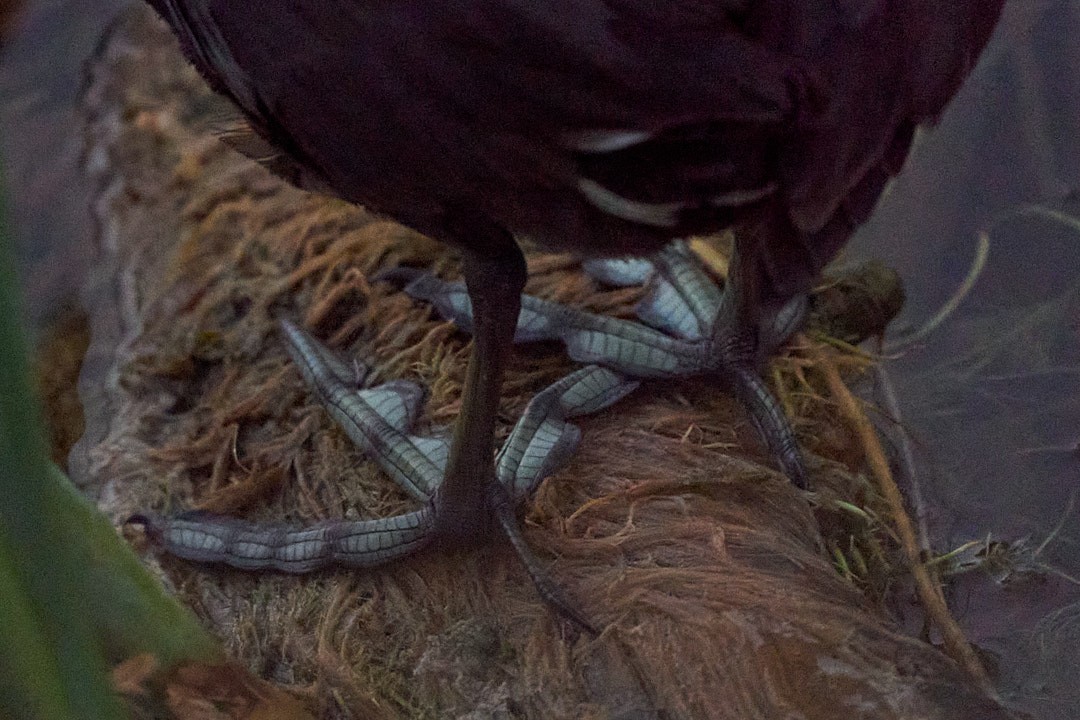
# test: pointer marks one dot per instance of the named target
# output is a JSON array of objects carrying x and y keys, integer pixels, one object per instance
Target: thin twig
[
  {"x": 1060, "y": 525},
  {"x": 982, "y": 252},
  {"x": 891, "y": 405},
  {"x": 956, "y": 645}
]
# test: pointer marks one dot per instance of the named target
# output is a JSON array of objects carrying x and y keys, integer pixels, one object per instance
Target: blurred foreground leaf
[{"x": 73, "y": 597}]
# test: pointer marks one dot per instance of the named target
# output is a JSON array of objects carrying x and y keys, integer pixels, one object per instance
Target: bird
[{"x": 604, "y": 128}]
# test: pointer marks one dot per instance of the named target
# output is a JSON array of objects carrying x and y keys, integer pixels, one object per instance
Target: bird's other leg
[
  {"x": 495, "y": 276},
  {"x": 751, "y": 325}
]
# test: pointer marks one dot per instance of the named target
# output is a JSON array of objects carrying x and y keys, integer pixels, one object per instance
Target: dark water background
[{"x": 991, "y": 400}]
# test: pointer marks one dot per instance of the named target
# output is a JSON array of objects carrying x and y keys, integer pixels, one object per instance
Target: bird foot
[
  {"x": 686, "y": 328},
  {"x": 379, "y": 420}
]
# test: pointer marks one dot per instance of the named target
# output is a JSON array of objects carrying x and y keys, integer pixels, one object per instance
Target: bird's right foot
[{"x": 684, "y": 330}]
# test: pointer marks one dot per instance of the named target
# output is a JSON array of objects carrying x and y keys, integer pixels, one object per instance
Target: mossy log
[{"x": 705, "y": 568}]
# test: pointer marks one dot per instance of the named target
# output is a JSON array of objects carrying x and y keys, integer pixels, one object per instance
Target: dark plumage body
[
  {"x": 430, "y": 111},
  {"x": 602, "y": 127}
]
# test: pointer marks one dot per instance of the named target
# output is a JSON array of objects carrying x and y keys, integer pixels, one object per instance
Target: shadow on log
[{"x": 705, "y": 568}]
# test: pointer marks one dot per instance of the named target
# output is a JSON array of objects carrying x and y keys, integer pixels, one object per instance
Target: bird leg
[
  {"x": 495, "y": 278},
  {"x": 744, "y": 332},
  {"x": 470, "y": 494},
  {"x": 689, "y": 327}
]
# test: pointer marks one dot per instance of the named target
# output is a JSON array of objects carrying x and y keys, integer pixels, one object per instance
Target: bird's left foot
[
  {"x": 379, "y": 420},
  {"x": 686, "y": 328}
]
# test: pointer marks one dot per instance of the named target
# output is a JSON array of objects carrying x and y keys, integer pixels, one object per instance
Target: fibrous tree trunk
[{"x": 704, "y": 568}]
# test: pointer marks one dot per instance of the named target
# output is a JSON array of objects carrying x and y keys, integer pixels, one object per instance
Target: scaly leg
[
  {"x": 495, "y": 279},
  {"x": 470, "y": 494}
]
